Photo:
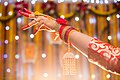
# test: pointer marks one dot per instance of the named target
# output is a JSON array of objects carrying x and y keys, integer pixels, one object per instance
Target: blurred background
[{"x": 24, "y": 56}]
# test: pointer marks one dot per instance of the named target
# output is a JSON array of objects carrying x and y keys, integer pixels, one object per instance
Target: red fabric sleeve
[{"x": 104, "y": 55}]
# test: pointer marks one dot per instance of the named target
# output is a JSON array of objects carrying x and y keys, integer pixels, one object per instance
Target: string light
[
  {"x": 0, "y": 14},
  {"x": 17, "y": 56},
  {"x": 101, "y": 2},
  {"x": 97, "y": 1},
  {"x": 45, "y": 74},
  {"x": 115, "y": 1},
  {"x": 77, "y": 56},
  {"x": 45, "y": 1},
  {"x": 76, "y": 18},
  {"x": 5, "y": 56},
  {"x": 6, "y": 41},
  {"x": 8, "y": 70},
  {"x": 92, "y": 20},
  {"x": 31, "y": 35},
  {"x": 10, "y": 13},
  {"x": 74, "y": 0},
  {"x": 43, "y": 55},
  {"x": 59, "y": 1},
  {"x": 108, "y": 18},
  {"x": 108, "y": 76},
  {"x": 19, "y": 20},
  {"x": 118, "y": 16},
  {"x": 33, "y": 1},
  {"x": 7, "y": 28},
  {"x": 18, "y": 0},
  {"x": 5, "y": 3},
  {"x": 109, "y": 37},
  {"x": 93, "y": 76},
  {"x": 86, "y": 0},
  {"x": 106, "y": 1},
  {"x": 16, "y": 37},
  {"x": 62, "y": 16},
  {"x": 92, "y": 1}
]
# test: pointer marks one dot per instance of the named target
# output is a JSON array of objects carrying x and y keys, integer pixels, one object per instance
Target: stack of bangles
[{"x": 65, "y": 31}]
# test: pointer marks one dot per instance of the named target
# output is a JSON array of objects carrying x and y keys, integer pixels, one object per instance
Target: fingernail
[
  {"x": 29, "y": 12},
  {"x": 19, "y": 11}
]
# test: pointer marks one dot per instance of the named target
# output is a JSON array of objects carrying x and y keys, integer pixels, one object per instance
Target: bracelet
[
  {"x": 60, "y": 31},
  {"x": 63, "y": 32},
  {"x": 68, "y": 32},
  {"x": 62, "y": 22}
]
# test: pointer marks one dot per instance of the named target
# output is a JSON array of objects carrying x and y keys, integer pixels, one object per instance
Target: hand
[{"x": 44, "y": 22}]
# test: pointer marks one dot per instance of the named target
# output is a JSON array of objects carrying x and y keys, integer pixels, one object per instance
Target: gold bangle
[
  {"x": 64, "y": 31},
  {"x": 70, "y": 34}
]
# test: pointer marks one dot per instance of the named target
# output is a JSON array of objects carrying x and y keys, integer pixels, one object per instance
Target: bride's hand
[{"x": 44, "y": 22}]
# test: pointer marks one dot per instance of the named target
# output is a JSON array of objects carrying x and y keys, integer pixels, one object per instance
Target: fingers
[
  {"x": 41, "y": 23},
  {"x": 32, "y": 23},
  {"x": 23, "y": 13},
  {"x": 27, "y": 11},
  {"x": 41, "y": 26},
  {"x": 30, "y": 14},
  {"x": 37, "y": 29},
  {"x": 29, "y": 25}
]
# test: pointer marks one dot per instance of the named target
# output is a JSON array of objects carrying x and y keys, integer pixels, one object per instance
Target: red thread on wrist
[
  {"x": 62, "y": 21},
  {"x": 60, "y": 31},
  {"x": 63, "y": 24}
]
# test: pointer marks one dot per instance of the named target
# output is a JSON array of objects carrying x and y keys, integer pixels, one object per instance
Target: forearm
[
  {"x": 80, "y": 41},
  {"x": 98, "y": 52}
]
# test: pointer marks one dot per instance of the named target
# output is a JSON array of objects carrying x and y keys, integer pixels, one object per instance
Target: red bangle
[
  {"x": 67, "y": 33},
  {"x": 60, "y": 31},
  {"x": 62, "y": 21}
]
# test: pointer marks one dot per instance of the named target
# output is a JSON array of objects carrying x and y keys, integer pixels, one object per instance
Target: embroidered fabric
[{"x": 104, "y": 55}]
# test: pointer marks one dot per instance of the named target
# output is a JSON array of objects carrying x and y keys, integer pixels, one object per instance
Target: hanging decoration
[
  {"x": 117, "y": 6},
  {"x": 67, "y": 15},
  {"x": 49, "y": 8},
  {"x": 7, "y": 18},
  {"x": 111, "y": 12},
  {"x": 69, "y": 64},
  {"x": 97, "y": 12},
  {"x": 20, "y": 6},
  {"x": 81, "y": 7}
]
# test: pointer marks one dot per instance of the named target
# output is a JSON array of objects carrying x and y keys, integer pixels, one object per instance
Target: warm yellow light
[
  {"x": 77, "y": 56},
  {"x": 108, "y": 76},
  {"x": 62, "y": 16}
]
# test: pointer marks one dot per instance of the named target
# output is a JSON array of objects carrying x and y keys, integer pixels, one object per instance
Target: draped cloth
[{"x": 104, "y": 55}]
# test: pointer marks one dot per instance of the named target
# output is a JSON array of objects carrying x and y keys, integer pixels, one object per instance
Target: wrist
[
  {"x": 57, "y": 27},
  {"x": 65, "y": 31},
  {"x": 60, "y": 22}
]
